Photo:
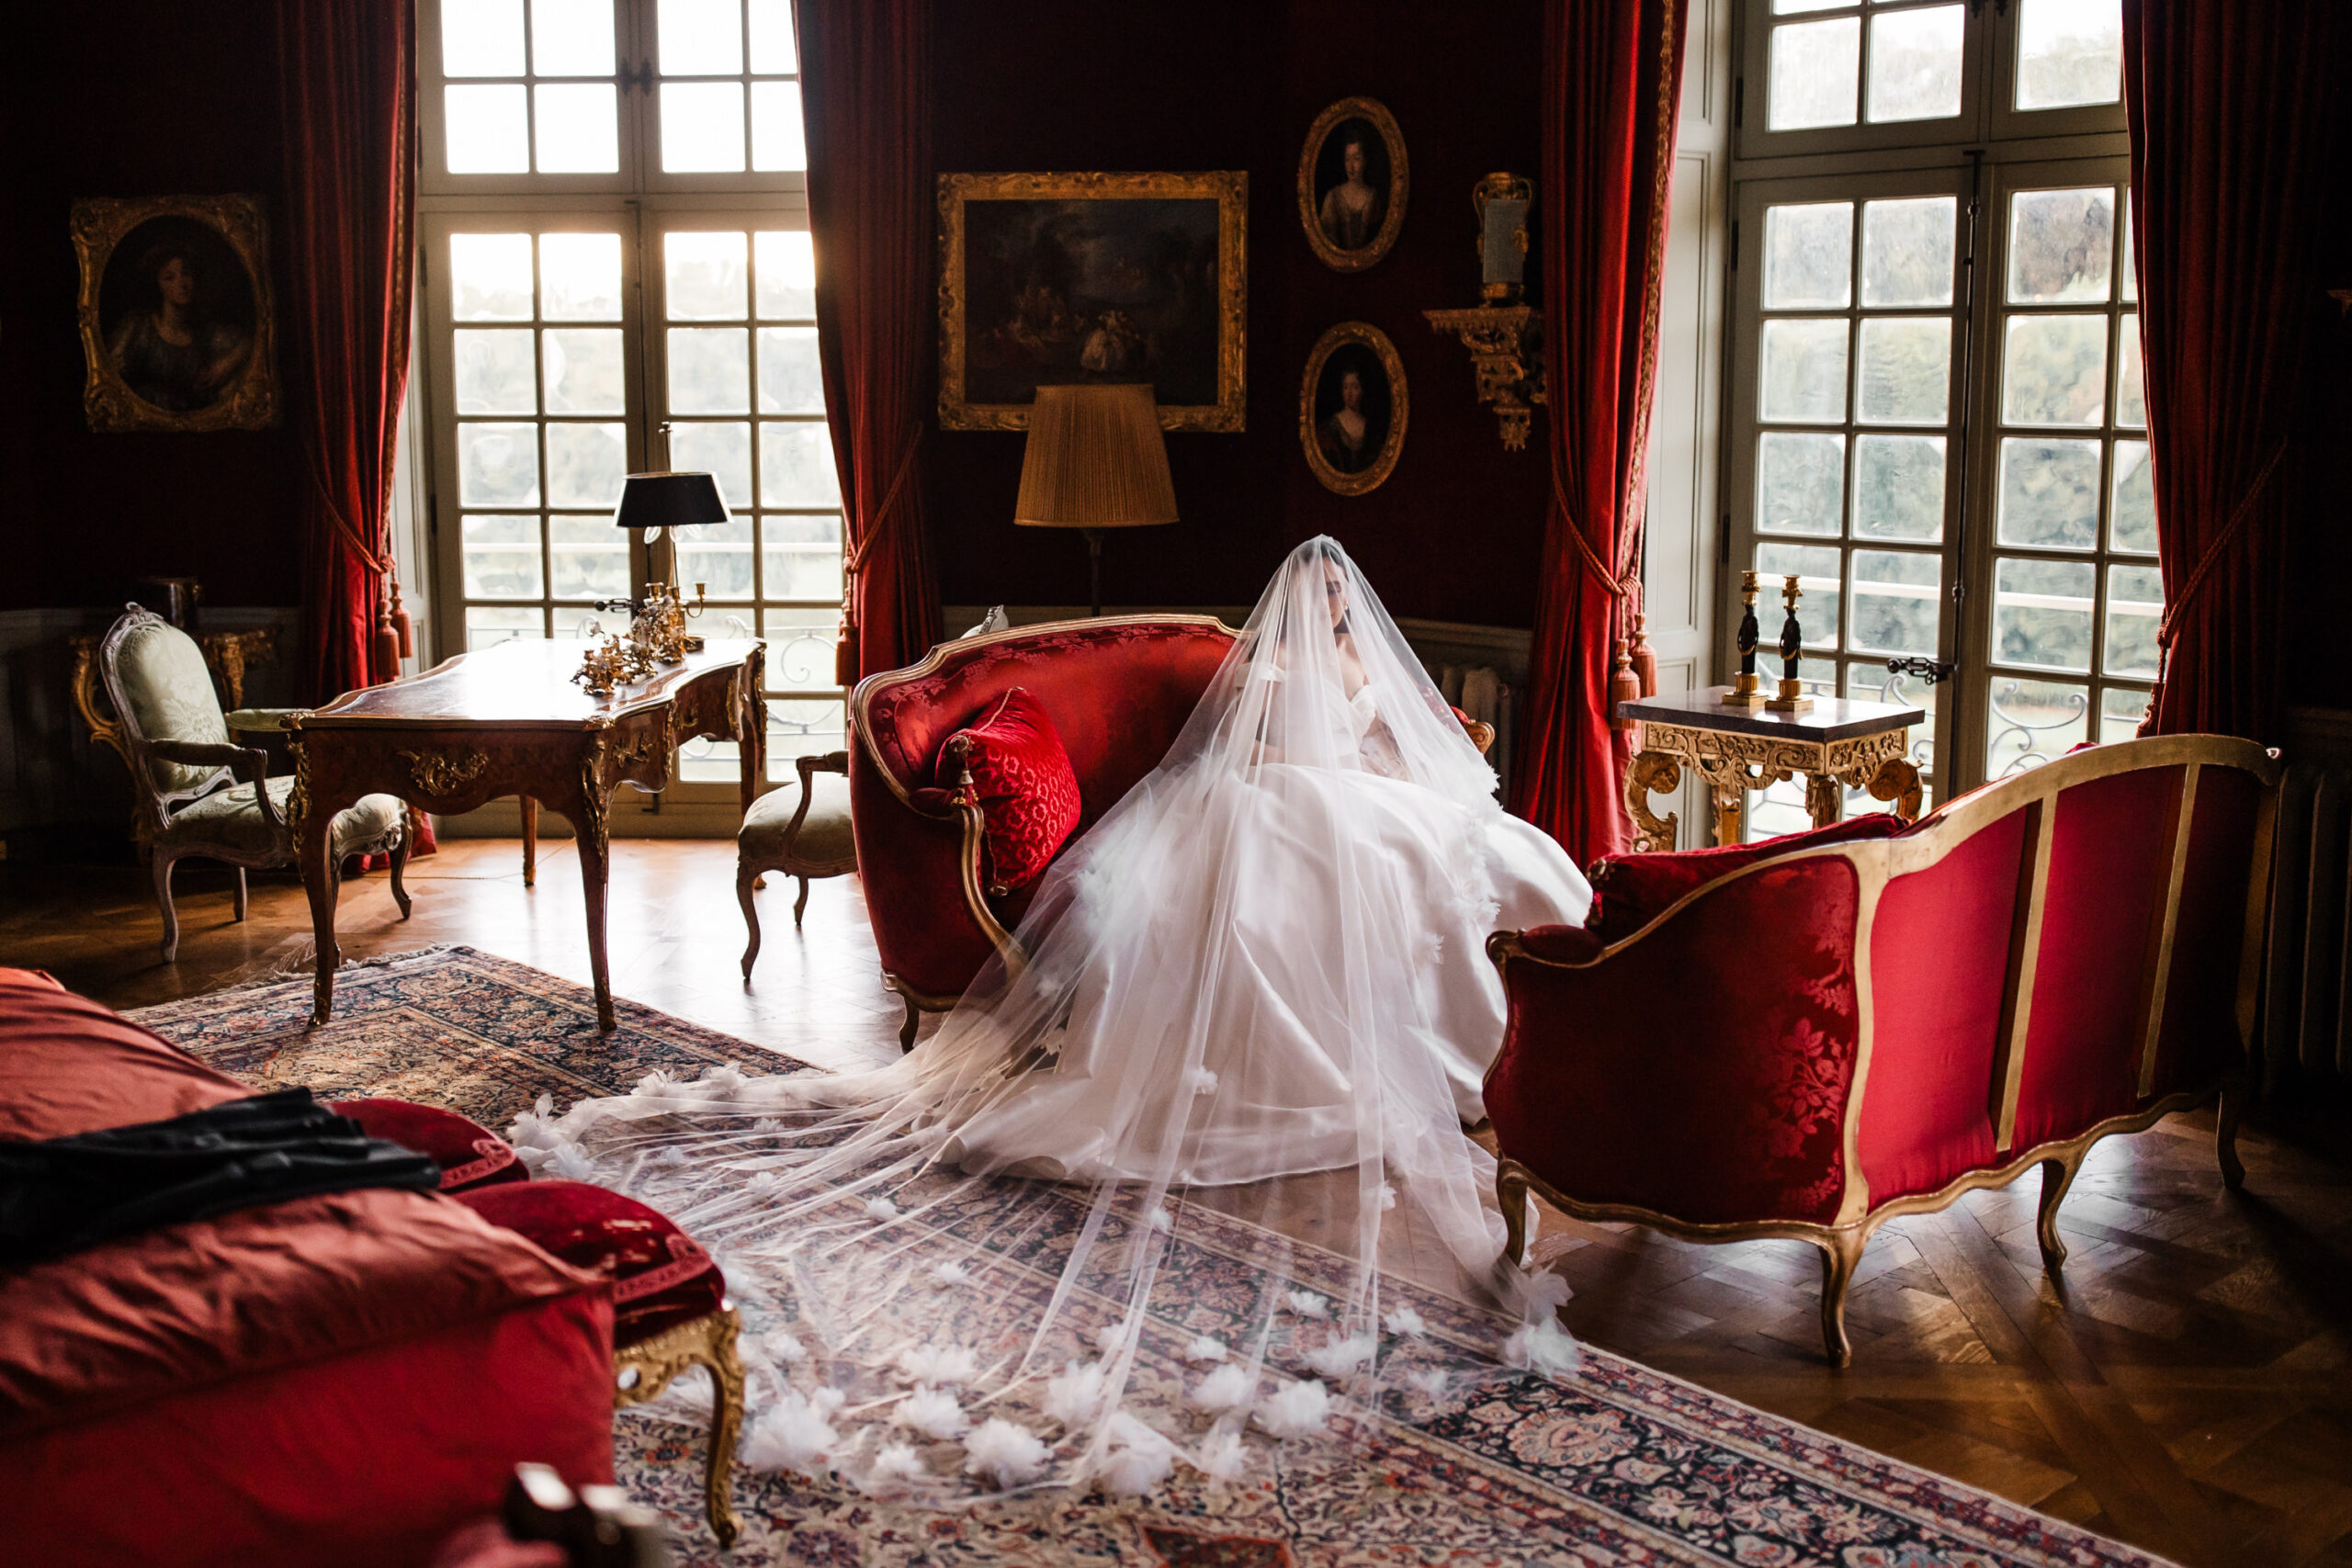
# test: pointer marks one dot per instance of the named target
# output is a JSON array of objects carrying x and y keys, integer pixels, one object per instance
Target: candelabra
[
  {"x": 1747, "y": 689},
  {"x": 1791, "y": 698}
]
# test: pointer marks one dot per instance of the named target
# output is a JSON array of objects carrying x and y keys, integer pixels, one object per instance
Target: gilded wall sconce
[{"x": 1505, "y": 337}]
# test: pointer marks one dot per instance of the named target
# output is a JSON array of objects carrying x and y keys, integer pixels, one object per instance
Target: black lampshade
[{"x": 669, "y": 500}]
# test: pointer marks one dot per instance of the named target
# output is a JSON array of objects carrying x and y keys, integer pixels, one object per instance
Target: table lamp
[
  {"x": 1096, "y": 460},
  {"x": 658, "y": 502}
]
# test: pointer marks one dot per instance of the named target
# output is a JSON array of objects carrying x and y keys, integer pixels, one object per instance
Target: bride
[{"x": 1141, "y": 1199}]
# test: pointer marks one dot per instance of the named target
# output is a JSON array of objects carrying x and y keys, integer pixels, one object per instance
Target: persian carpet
[{"x": 1619, "y": 1465}]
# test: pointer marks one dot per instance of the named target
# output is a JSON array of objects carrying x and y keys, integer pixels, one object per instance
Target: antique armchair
[
  {"x": 198, "y": 792},
  {"x": 803, "y": 836}
]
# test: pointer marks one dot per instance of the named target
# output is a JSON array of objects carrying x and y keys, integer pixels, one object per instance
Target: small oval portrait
[
  {"x": 174, "y": 313},
  {"x": 1352, "y": 407},
  {"x": 1351, "y": 183}
]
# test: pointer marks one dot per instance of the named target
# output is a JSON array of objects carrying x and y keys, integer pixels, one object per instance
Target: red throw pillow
[
  {"x": 469, "y": 1154},
  {"x": 1630, "y": 891},
  {"x": 661, "y": 1277},
  {"x": 1022, "y": 780}
]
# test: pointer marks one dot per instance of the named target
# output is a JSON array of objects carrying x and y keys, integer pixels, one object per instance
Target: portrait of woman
[
  {"x": 1351, "y": 183},
  {"x": 1352, "y": 407},
  {"x": 176, "y": 347},
  {"x": 174, "y": 313}
]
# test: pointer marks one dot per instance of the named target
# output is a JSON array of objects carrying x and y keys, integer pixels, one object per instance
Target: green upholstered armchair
[{"x": 200, "y": 793}]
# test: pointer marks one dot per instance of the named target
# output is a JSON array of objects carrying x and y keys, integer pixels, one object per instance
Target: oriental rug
[{"x": 1619, "y": 1464}]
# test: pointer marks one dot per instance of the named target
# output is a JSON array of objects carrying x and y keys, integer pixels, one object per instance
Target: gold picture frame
[
  {"x": 1352, "y": 462},
  {"x": 1320, "y": 167},
  {"x": 178, "y": 322},
  {"x": 1020, "y": 307}
]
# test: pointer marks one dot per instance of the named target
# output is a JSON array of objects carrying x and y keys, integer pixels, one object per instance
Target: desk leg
[
  {"x": 751, "y": 723},
  {"x": 1731, "y": 811},
  {"x": 1651, "y": 773},
  {"x": 319, "y": 874},
  {"x": 530, "y": 841},
  {"x": 1825, "y": 798},
  {"x": 591, "y": 883}
]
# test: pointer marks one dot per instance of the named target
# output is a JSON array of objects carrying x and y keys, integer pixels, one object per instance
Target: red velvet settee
[
  {"x": 1118, "y": 688},
  {"x": 1807, "y": 1040},
  {"x": 336, "y": 1379}
]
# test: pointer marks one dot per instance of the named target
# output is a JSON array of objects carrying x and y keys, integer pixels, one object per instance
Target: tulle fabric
[{"x": 1131, "y": 1205}]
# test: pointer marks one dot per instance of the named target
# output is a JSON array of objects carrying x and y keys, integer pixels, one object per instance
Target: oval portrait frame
[
  {"x": 1363, "y": 334},
  {"x": 1399, "y": 184}
]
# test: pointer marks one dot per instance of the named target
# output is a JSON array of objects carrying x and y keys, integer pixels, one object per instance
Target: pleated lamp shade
[{"x": 1095, "y": 460}]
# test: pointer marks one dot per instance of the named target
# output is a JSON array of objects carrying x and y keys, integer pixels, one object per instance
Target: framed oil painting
[
  {"x": 177, "y": 329},
  {"x": 1352, "y": 407},
  {"x": 1352, "y": 180},
  {"x": 1053, "y": 279}
]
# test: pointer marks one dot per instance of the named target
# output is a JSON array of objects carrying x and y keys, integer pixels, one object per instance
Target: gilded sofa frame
[{"x": 1876, "y": 864}]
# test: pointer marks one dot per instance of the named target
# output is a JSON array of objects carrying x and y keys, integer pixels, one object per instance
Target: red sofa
[
  {"x": 336, "y": 1379},
  {"x": 1118, "y": 688},
  {"x": 1809, "y": 1040}
]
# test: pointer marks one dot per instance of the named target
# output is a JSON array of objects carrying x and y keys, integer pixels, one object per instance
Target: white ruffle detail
[
  {"x": 1222, "y": 1455},
  {"x": 881, "y": 1209},
  {"x": 1341, "y": 1357},
  {"x": 1204, "y": 1348},
  {"x": 933, "y": 1412},
  {"x": 1227, "y": 1389},
  {"x": 1074, "y": 1396},
  {"x": 940, "y": 1365},
  {"x": 1003, "y": 1454},
  {"x": 795, "y": 1433},
  {"x": 1297, "y": 1409},
  {"x": 951, "y": 1274},
  {"x": 1406, "y": 1321},
  {"x": 897, "y": 1462},
  {"x": 1307, "y": 1303},
  {"x": 1429, "y": 1382},
  {"x": 1544, "y": 1347},
  {"x": 1139, "y": 1458}
]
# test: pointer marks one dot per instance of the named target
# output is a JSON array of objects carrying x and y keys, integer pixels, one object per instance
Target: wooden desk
[
  {"x": 508, "y": 720},
  {"x": 1837, "y": 744}
]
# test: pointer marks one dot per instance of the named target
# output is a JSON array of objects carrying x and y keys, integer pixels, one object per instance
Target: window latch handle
[{"x": 1935, "y": 671}]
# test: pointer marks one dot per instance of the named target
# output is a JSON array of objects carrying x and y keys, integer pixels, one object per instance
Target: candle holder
[
  {"x": 1747, "y": 689},
  {"x": 1792, "y": 698}
]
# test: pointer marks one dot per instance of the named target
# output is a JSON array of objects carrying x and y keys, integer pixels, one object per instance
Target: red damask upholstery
[
  {"x": 661, "y": 1275},
  {"x": 469, "y": 1154},
  {"x": 2047, "y": 959},
  {"x": 1629, "y": 891},
  {"x": 1022, "y": 779}
]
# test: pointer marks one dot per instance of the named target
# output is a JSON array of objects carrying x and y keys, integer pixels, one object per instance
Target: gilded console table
[
  {"x": 508, "y": 720},
  {"x": 1837, "y": 743}
]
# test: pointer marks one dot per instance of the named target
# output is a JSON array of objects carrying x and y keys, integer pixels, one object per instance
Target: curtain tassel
[
  {"x": 1645, "y": 659},
  {"x": 1624, "y": 686},
  {"x": 402, "y": 623}
]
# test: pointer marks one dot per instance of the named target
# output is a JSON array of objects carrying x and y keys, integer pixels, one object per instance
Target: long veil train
[{"x": 1134, "y": 1205}]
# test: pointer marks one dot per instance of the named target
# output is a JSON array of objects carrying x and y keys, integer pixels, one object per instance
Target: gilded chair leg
[
  {"x": 2225, "y": 1133},
  {"x": 1840, "y": 1251},
  {"x": 726, "y": 1422},
  {"x": 2057, "y": 1175},
  {"x": 746, "y": 879},
  {"x": 400, "y": 864},
  {"x": 1510, "y": 1194},
  {"x": 241, "y": 893},
  {"x": 800, "y": 903},
  {"x": 163, "y": 869}
]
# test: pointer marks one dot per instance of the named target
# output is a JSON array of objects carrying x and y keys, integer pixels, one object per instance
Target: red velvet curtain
[
  {"x": 347, "y": 70},
  {"x": 864, "y": 85},
  {"x": 2235, "y": 120},
  {"x": 1612, "y": 77}
]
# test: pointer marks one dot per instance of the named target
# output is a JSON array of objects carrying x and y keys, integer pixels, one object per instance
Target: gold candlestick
[
  {"x": 1747, "y": 691},
  {"x": 1791, "y": 698}
]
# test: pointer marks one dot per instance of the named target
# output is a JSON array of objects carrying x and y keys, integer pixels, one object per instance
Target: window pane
[
  {"x": 1915, "y": 63},
  {"x": 787, "y": 263},
  {"x": 1794, "y": 7},
  {"x": 2054, "y": 371},
  {"x": 2032, "y": 722},
  {"x": 578, "y": 134},
  {"x": 801, "y": 646},
  {"x": 490, "y": 278},
  {"x": 702, "y": 127},
  {"x": 1897, "y": 600},
  {"x": 797, "y": 466},
  {"x": 1906, "y": 369},
  {"x": 703, "y": 274},
  {"x": 583, "y": 370},
  {"x": 2129, "y": 263},
  {"x": 1808, "y": 256},
  {"x": 2130, "y": 391},
  {"x": 790, "y": 381},
  {"x": 580, "y": 277},
  {"x": 803, "y": 558},
  {"x": 718, "y": 556},
  {"x": 1898, "y": 487},
  {"x": 2050, "y": 493},
  {"x": 586, "y": 464},
  {"x": 498, "y": 464},
  {"x": 722, "y": 451},
  {"x": 588, "y": 557},
  {"x": 2135, "y": 602},
  {"x": 1908, "y": 250},
  {"x": 772, "y": 50},
  {"x": 501, "y": 557},
  {"x": 1813, "y": 69},
  {"x": 2133, "y": 524},
  {"x": 800, "y": 729},
  {"x": 777, "y": 141},
  {"x": 710, "y": 370},
  {"x": 481, "y": 38},
  {"x": 1800, "y": 482},
  {"x": 572, "y": 37},
  {"x": 488, "y": 130},
  {"x": 2120, "y": 712},
  {"x": 2041, "y": 613},
  {"x": 585, "y": 621},
  {"x": 2069, "y": 51},
  {"x": 493, "y": 371},
  {"x": 1804, "y": 375},
  {"x": 490, "y": 624},
  {"x": 702, "y": 37},
  {"x": 1816, "y": 569},
  {"x": 2062, "y": 245}
]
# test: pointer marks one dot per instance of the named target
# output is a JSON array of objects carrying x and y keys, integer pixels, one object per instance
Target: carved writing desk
[
  {"x": 508, "y": 720},
  {"x": 1837, "y": 744}
]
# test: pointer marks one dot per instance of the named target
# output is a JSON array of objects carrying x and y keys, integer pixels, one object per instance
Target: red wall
[
  {"x": 1079, "y": 84},
  {"x": 129, "y": 98}
]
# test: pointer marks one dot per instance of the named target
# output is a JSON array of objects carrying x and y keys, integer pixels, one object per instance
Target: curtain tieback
[
  {"x": 2167, "y": 628},
  {"x": 853, "y": 561}
]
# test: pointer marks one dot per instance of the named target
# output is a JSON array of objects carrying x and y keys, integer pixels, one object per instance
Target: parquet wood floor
[{"x": 2186, "y": 1386}]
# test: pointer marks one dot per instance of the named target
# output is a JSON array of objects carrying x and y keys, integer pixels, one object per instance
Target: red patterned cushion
[
  {"x": 1630, "y": 891},
  {"x": 662, "y": 1277},
  {"x": 469, "y": 1154},
  {"x": 1024, "y": 785}
]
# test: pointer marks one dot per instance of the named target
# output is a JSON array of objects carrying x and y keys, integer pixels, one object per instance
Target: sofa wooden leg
[
  {"x": 746, "y": 880},
  {"x": 906, "y": 1030},
  {"x": 1840, "y": 1251},
  {"x": 163, "y": 869},
  {"x": 2225, "y": 1133},
  {"x": 1510, "y": 1193},
  {"x": 726, "y": 1423},
  {"x": 241, "y": 893},
  {"x": 2057, "y": 1175}
]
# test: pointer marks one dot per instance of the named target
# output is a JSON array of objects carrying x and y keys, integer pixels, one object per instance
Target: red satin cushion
[
  {"x": 70, "y": 1065},
  {"x": 1630, "y": 891},
  {"x": 469, "y": 1154},
  {"x": 1022, "y": 780},
  {"x": 661, "y": 1275}
]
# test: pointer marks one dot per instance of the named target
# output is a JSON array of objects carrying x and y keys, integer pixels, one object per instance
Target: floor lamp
[{"x": 1095, "y": 460}]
